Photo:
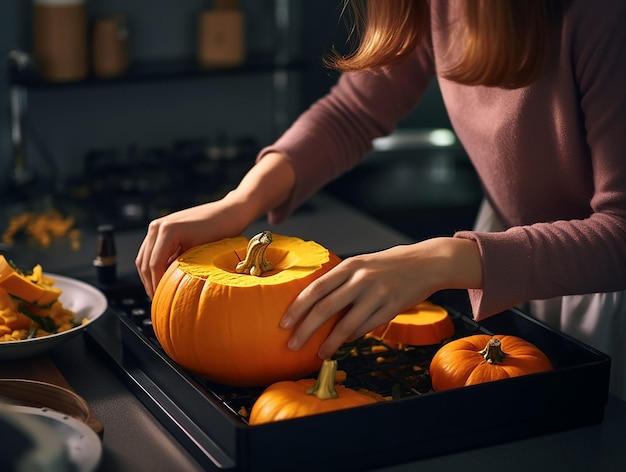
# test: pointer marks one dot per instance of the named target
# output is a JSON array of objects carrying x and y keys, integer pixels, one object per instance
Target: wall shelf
[
  {"x": 278, "y": 62},
  {"x": 24, "y": 72}
]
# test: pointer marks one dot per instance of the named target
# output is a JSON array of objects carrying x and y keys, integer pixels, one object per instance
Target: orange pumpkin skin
[
  {"x": 225, "y": 325},
  {"x": 289, "y": 399},
  {"x": 460, "y": 363}
]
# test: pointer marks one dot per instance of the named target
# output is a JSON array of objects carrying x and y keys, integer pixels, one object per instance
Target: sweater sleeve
[
  {"x": 585, "y": 255},
  {"x": 337, "y": 131}
]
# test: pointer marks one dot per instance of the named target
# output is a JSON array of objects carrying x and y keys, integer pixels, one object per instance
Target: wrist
[{"x": 457, "y": 263}]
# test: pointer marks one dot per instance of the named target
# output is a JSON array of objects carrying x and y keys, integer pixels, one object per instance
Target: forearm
[{"x": 267, "y": 185}]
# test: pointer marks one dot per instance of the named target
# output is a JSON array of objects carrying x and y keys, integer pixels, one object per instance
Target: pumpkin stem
[
  {"x": 493, "y": 352},
  {"x": 255, "y": 262},
  {"x": 324, "y": 387}
]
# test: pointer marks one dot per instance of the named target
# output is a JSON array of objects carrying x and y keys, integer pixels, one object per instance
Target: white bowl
[
  {"x": 57, "y": 441},
  {"x": 86, "y": 301}
]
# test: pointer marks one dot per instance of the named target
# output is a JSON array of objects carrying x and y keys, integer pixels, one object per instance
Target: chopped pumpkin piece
[{"x": 35, "y": 289}]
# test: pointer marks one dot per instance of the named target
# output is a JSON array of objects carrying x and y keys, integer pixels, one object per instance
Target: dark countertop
[{"x": 134, "y": 440}]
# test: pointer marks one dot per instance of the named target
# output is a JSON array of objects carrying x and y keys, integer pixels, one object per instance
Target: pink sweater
[{"x": 551, "y": 156}]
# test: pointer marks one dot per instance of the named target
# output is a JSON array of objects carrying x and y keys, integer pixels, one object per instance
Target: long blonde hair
[{"x": 503, "y": 42}]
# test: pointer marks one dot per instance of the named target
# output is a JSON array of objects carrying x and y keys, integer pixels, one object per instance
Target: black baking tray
[{"x": 405, "y": 429}]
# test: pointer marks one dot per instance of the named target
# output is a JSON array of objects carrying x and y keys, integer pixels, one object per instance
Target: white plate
[
  {"x": 83, "y": 299},
  {"x": 81, "y": 448}
]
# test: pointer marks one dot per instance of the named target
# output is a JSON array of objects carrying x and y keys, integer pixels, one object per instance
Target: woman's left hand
[{"x": 378, "y": 286}]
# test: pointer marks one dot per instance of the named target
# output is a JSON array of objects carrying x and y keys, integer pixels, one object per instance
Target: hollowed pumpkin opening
[
  {"x": 280, "y": 258},
  {"x": 217, "y": 262}
]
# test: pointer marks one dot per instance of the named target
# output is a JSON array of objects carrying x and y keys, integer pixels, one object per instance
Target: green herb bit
[
  {"x": 47, "y": 324},
  {"x": 43, "y": 307}
]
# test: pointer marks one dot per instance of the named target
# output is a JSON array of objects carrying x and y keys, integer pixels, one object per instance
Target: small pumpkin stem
[
  {"x": 324, "y": 387},
  {"x": 493, "y": 352},
  {"x": 255, "y": 262}
]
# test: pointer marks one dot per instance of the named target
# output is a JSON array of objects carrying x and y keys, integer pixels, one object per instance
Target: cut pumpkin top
[
  {"x": 421, "y": 325},
  {"x": 292, "y": 258}
]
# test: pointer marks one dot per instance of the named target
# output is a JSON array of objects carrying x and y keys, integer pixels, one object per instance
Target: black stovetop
[{"x": 412, "y": 422}]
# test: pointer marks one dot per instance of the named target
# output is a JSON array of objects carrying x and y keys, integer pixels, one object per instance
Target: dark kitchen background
[{"x": 167, "y": 134}]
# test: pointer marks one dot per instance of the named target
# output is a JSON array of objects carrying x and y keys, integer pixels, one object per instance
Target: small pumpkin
[
  {"x": 482, "y": 358},
  {"x": 217, "y": 309},
  {"x": 293, "y": 399}
]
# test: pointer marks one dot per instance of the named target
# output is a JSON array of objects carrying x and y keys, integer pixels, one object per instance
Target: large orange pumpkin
[
  {"x": 483, "y": 358},
  {"x": 294, "y": 399},
  {"x": 213, "y": 317}
]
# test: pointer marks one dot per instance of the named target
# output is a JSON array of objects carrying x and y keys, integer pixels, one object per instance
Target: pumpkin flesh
[
  {"x": 224, "y": 325},
  {"x": 421, "y": 325},
  {"x": 20, "y": 285}
]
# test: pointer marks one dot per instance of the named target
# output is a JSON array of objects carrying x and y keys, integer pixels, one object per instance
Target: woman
[{"x": 536, "y": 92}]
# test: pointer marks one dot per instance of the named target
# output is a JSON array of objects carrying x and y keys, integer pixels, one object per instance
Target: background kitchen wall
[
  {"x": 71, "y": 120},
  {"x": 65, "y": 122}
]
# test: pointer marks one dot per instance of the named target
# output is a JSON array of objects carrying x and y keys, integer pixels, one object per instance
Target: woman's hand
[
  {"x": 265, "y": 186},
  {"x": 376, "y": 287},
  {"x": 171, "y": 235}
]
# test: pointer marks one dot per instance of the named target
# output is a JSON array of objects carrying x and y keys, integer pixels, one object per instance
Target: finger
[
  {"x": 173, "y": 257},
  {"x": 159, "y": 262},
  {"x": 311, "y": 295},
  {"x": 320, "y": 313},
  {"x": 377, "y": 319},
  {"x": 359, "y": 320},
  {"x": 143, "y": 255},
  {"x": 153, "y": 257},
  {"x": 362, "y": 303}
]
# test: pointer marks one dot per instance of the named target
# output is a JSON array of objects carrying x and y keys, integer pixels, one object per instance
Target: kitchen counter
[
  {"x": 323, "y": 219},
  {"x": 135, "y": 441}
]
